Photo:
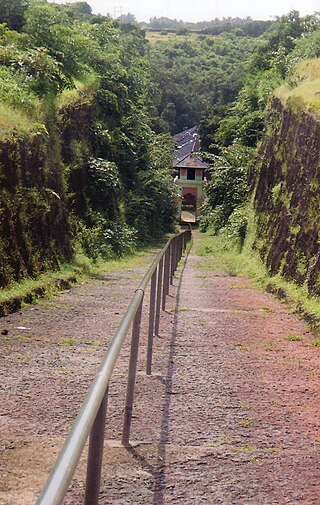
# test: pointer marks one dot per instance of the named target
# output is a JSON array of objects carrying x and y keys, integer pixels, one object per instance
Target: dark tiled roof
[
  {"x": 187, "y": 145},
  {"x": 187, "y": 142},
  {"x": 191, "y": 161}
]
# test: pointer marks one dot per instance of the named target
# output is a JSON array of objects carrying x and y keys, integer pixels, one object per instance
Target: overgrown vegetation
[
  {"x": 232, "y": 133},
  {"x": 81, "y": 167},
  {"x": 196, "y": 73},
  {"x": 281, "y": 246},
  {"x": 87, "y": 108},
  {"x": 227, "y": 191}
]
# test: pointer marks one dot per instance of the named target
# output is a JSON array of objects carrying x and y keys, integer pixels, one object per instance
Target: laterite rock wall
[
  {"x": 287, "y": 198},
  {"x": 43, "y": 175}
]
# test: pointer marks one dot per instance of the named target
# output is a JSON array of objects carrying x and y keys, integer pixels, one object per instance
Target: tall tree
[{"x": 12, "y": 13}]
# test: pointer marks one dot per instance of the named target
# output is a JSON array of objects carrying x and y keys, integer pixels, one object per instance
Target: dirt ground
[{"x": 229, "y": 416}]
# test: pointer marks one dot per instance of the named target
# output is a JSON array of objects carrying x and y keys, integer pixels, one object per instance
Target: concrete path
[
  {"x": 238, "y": 421},
  {"x": 230, "y": 415}
]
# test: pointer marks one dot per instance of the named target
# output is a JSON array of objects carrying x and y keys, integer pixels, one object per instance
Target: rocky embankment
[{"x": 287, "y": 196}]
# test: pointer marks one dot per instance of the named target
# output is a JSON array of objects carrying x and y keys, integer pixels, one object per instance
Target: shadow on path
[{"x": 158, "y": 470}]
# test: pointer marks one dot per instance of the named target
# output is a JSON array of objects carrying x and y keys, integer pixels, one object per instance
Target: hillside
[
  {"x": 82, "y": 171},
  {"x": 88, "y": 108},
  {"x": 195, "y": 73},
  {"x": 287, "y": 196},
  {"x": 303, "y": 88}
]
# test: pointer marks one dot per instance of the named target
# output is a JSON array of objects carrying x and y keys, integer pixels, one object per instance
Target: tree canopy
[{"x": 94, "y": 100}]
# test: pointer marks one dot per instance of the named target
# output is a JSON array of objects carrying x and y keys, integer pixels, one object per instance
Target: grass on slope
[
  {"x": 155, "y": 37},
  {"x": 86, "y": 84},
  {"x": 82, "y": 268},
  {"x": 304, "y": 87},
  {"x": 15, "y": 120}
]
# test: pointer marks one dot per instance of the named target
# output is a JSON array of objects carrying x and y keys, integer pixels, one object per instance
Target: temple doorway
[{"x": 189, "y": 202}]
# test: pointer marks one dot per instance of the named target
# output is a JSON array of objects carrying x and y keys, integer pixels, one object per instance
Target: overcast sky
[{"x": 203, "y": 10}]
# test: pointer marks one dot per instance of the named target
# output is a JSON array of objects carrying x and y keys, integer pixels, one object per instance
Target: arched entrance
[{"x": 189, "y": 202}]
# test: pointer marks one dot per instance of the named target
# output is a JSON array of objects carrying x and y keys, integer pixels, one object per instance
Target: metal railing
[{"x": 92, "y": 416}]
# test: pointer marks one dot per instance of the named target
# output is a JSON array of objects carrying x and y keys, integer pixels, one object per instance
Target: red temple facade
[{"x": 191, "y": 174}]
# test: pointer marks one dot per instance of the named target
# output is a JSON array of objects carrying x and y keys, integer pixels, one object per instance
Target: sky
[{"x": 202, "y": 10}]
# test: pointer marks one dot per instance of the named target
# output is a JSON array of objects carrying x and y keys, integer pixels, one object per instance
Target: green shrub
[
  {"x": 105, "y": 186},
  {"x": 236, "y": 228},
  {"x": 104, "y": 239},
  {"x": 93, "y": 242},
  {"x": 14, "y": 91},
  {"x": 229, "y": 186}
]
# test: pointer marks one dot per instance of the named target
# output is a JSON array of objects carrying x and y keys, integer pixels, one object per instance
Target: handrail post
[
  {"x": 166, "y": 275},
  {"x": 151, "y": 321},
  {"x": 182, "y": 246},
  {"x": 131, "y": 376},
  {"x": 95, "y": 455},
  {"x": 185, "y": 240},
  {"x": 172, "y": 260},
  {"x": 179, "y": 248},
  {"x": 176, "y": 253},
  {"x": 90, "y": 421},
  {"x": 158, "y": 304}
]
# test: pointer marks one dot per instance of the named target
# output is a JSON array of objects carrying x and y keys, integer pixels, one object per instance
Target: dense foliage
[
  {"x": 232, "y": 133},
  {"x": 87, "y": 107},
  {"x": 196, "y": 73},
  {"x": 228, "y": 188},
  {"x": 269, "y": 64},
  {"x": 76, "y": 119}
]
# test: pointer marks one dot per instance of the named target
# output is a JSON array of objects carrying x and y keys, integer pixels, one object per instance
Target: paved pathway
[
  {"x": 238, "y": 421},
  {"x": 230, "y": 415}
]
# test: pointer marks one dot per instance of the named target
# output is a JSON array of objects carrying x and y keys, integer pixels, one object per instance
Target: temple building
[{"x": 190, "y": 176}]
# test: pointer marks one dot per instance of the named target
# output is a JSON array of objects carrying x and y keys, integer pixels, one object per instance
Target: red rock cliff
[{"x": 287, "y": 196}]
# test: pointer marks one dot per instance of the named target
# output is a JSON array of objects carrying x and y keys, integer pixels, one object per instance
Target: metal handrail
[{"x": 92, "y": 416}]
